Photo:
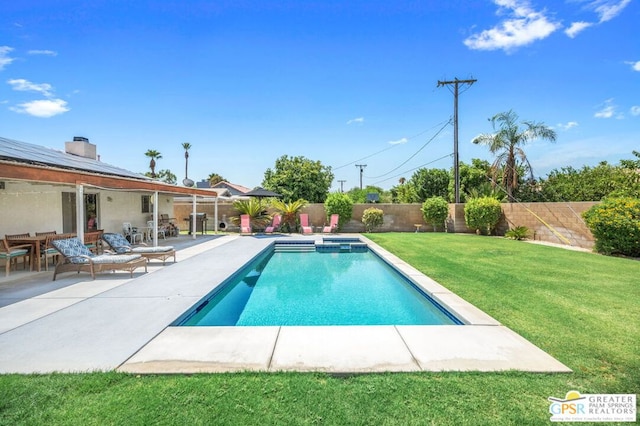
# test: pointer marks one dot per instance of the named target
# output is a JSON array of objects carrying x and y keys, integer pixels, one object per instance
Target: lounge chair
[
  {"x": 245, "y": 224},
  {"x": 120, "y": 245},
  {"x": 48, "y": 250},
  {"x": 333, "y": 224},
  {"x": 10, "y": 254},
  {"x": 275, "y": 224},
  {"x": 304, "y": 224},
  {"x": 77, "y": 257}
]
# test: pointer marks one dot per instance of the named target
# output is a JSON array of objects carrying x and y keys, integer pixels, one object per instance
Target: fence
[{"x": 553, "y": 222}]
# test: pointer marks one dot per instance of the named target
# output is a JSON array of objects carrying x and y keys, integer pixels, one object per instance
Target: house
[
  {"x": 232, "y": 189},
  {"x": 43, "y": 189}
]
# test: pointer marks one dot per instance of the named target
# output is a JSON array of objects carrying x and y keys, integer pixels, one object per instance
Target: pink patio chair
[
  {"x": 304, "y": 224},
  {"x": 245, "y": 224},
  {"x": 275, "y": 224},
  {"x": 333, "y": 224}
]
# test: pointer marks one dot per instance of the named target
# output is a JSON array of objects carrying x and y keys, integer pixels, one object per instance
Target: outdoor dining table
[{"x": 36, "y": 241}]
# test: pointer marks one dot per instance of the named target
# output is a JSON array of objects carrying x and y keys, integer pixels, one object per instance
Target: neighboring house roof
[
  {"x": 233, "y": 188},
  {"x": 13, "y": 150}
]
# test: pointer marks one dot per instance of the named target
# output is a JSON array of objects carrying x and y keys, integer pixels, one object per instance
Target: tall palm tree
[
  {"x": 506, "y": 143},
  {"x": 187, "y": 147},
  {"x": 154, "y": 155}
]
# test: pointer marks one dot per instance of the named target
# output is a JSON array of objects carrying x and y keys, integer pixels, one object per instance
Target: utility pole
[
  {"x": 361, "y": 166},
  {"x": 456, "y": 164},
  {"x": 341, "y": 182}
]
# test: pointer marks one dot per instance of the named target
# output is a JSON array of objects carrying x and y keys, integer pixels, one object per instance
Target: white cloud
[
  {"x": 606, "y": 11},
  {"x": 568, "y": 125},
  {"x": 609, "y": 110},
  {"x": 27, "y": 86},
  {"x": 634, "y": 65},
  {"x": 635, "y": 110},
  {"x": 358, "y": 120},
  {"x": 609, "y": 9},
  {"x": 43, "y": 52},
  {"x": 42, "y": 108},
  {"x": 523, "y": 26},
  {"x": 399, "y": 141},
  {"x": 4, "y": 56},
  {"x": 577, "y": 27}
]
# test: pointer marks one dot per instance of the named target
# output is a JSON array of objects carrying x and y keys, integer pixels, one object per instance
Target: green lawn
[{"x": 583, "y": 309}]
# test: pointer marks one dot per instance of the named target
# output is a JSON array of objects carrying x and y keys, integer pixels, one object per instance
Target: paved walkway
[{"x": 116, "y": 322}]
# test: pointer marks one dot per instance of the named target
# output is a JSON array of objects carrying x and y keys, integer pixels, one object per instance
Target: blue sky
[{"x": 342, "y": 82}]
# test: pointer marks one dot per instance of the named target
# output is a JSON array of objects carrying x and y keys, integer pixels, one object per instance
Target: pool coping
[{"x": 482, "y": 344}]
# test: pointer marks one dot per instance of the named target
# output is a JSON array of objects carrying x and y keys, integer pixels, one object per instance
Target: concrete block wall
[{"x": 552, "y": 222}]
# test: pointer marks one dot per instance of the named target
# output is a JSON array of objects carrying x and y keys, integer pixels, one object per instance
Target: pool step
[
  {"x": 295, "y": 246},
  {"x": 293, "y": 249}
]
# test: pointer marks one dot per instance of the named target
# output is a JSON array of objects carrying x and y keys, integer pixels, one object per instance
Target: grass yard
[{"x": 583, "y": 309}]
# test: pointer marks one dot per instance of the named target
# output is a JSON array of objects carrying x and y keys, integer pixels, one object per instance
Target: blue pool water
[{"x": 315, "y": 288}]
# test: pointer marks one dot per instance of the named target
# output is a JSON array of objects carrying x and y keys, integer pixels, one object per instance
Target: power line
[
  {"x": 414, "y": 154},
  {"x": 390, "y": 147},
  {"x": 415, "y": 168}
]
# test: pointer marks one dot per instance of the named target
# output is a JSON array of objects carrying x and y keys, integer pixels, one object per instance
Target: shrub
[
  {"x": 255, "y": 208},
  {"x": 482, "y": 214},
  {"x": 341, "y": 204},
  {"x": 517, "y": 233},
  {"x": 289, "y": 212},
  {"x": 372, "y": 218},
  {"x": 615, "y": 224},
  {"x": 435, "y": 211}
]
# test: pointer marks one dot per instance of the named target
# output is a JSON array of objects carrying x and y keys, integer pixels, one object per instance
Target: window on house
[{"x": 146, "y": 204}]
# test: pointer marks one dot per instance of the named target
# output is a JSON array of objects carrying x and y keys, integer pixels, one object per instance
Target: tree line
[{"x": 509, "y": 178}]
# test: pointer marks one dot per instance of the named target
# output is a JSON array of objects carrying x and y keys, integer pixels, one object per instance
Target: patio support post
[
  {"x": 193, "y": 218},
  {"x": 155, "y": 219},
  {"x": 215, "y": 216},
  {"x": 80, "y": 220}
]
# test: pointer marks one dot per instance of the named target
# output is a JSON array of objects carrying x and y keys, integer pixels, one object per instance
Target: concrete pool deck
[{"x": 122, "y": 323}]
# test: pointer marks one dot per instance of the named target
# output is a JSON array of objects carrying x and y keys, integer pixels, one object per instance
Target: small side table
[{"x": 418, "y": 226}]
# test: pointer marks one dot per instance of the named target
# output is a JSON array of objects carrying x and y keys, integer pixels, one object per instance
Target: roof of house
[
  {"x": 29, "y": 162},
  {"x": 233, "y": 188},
  {"x": 23, "y": 152}
]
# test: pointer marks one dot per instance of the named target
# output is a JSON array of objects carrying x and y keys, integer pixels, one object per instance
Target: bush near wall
[
  {"x": 435, "y": 211},
  {"x": 372, "y": 218},
  {"x": 482, "y": 214},
  {"x": 615, "y": 223},
  {"x": 339, "y": 203}
]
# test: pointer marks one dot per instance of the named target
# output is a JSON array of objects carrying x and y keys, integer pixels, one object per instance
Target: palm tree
[
  {"x": 187, "y": 147},
  {"x": 289, "y": 212},
  {"x": 214, "y": 178},
  {"x": 255, "y": 208},
  {"x": 154, "y": 155},
  {"x": 506, "y": 143}
]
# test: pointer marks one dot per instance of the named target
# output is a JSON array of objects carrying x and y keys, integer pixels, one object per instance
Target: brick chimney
[{"x": 81, "y": 147}]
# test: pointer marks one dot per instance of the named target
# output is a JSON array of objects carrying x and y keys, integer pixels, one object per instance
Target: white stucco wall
[
  {"x": 26, "y": 207},
  {"x": 30, "y": 208}
]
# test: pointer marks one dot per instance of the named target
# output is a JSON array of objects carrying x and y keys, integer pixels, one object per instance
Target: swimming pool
[{"x": 337, "y": 283}]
